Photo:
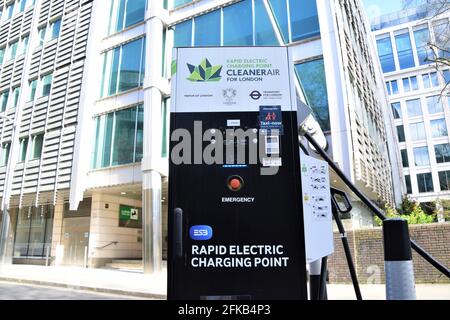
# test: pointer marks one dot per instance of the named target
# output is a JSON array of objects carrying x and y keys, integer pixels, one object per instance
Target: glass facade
[
  {"x": 4, "y": 154},
  {"x": 438, "y": 128},
  {"x": 33, "y": 236},
  {"x": 414, "y": 108},
  {"x": 126, "y": 13},
  {"x": 421, "y": 157},
  {"x": 315, "y": 91},
  {"x": 46, "y": 85},
  {"x": 36, "y": 146},
  {"x": 442, "y": 152},
  {"x": 444, "y": 180},
  {"x": 425, "y": 182},
  {"x": 123, "y": 68},
  {"x": 247, "y": 23},
  {"x": 4, "y": 96},
  {"x": 404, "y": 51},
  {"x": 384, "y": 46},
  {"x": 119, "y": 138}
]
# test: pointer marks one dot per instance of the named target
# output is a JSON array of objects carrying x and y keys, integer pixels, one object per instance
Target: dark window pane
[
  {"x": 315, "y": 91},
  {"x": 238, "y": 24},
  {"x": 404, "y": 154},
  {"x": 425, "y": 182},
  {"x": 130, "y": 68},
  {"x": 401, "y": 133},
  {"x": 304, "y": 19},
  {"x": 442, "y": 152},
  {"x": 444, "y": 180},
  {"x": 140, "y": 135},
  {"x": 394, "y": 86},
  {"x": 408, "y": 184},
  {"x": 207, "y": 29}
]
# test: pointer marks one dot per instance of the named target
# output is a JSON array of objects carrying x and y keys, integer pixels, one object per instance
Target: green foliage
[{"x": 409, "y": 210}]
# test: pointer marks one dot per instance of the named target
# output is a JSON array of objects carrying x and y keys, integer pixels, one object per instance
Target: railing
[{"x": 109, "y": 244}]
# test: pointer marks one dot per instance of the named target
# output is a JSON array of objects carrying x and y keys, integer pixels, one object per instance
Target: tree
[{"x": 439, "y": 47}]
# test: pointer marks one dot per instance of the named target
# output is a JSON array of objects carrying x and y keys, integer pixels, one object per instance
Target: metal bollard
[{"x": 398, "y": 263}]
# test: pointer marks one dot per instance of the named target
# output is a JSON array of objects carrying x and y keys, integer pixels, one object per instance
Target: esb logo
[{"x": 200, "y": 233}]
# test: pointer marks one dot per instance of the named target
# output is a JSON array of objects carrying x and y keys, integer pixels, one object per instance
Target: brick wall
[{"x": 366, "y": 246}]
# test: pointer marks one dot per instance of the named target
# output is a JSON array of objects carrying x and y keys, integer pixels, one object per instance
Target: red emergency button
[{"x": 235, "y": 183}]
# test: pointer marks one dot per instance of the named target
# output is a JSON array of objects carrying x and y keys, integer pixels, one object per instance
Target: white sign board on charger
[{"x": 317, "y": 212}]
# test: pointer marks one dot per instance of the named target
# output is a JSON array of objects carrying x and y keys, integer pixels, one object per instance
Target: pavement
[{"x": 82, "y": 284}]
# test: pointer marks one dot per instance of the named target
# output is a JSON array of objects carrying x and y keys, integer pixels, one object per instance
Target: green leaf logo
[{"x": 204, "y": 72}]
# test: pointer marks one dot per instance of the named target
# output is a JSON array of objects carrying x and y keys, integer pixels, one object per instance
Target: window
[
  {"x": 126, "y": 13},
  {"x": 444, "y": 180},
  {"x": 304, "y": 19},
  {"x": 23, "y": 46},
  {"x": 425, "y": 182},
  {"x": 434, "y": 104},
  {"x": 22, "y": 4},
  {"x": 280, "y": 12},
  {"x": 442, "y": 152},
  {"x": 55, "y": 28},
  {"x": 441, "y": 30},
  {"x": 445, "y": 74},
  {"x": 183, "y": 34},
  {"x": 41, "y": 33},
  {"x": 384, "y": 46},
  {"x": 396, "y": 110},
  {"x": 16, "y": 95},
  {"x": 264, "y": 33},
  {"x": 408, "y": 184},
  {"x": 119, "y": 138},
  {"x": 4, "y": 156},
  {"x": 33, "y": 234},
  {"x": 8, "y": 12},
  {"x": 36, "y": 147},
  {"x": 315, "y": 91},
  {"x": 430, "y": 80},
  {"x": 46, "y": 85},
  {"x": 421, "y": 157},
  {"x": 401, "y": 133},
  {"x": 388, "y": 87},
  {"x": 177, "y": 3},
  {"x": 410, "y": 84},
  {"x": 2, "y": 55},
  {"x": 404, "y": 50},
  {"x": 124, "y": 68},
  {"x": 405, "y": 161},
  {"x": 438, "y": 128},
  {"x": 4, "y": 100},
  {"x": 207, "y": 29},
  {"x": 422, "y": 38},
  {"x": 12, "y": 51},
  {"x": 414, "y": 108},
  {"x": 238, "y": 27},
  {"x": 23, "y": 149},
  {"x": 392, "y": 87},
  {"x": 417, "y": 131},
  {"x": 33, "y": 86}
]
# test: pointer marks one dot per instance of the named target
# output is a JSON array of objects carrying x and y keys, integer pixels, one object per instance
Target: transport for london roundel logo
[{"x": 204, "y": 72}]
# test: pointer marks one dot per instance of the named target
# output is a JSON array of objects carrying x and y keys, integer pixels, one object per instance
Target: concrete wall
[
  {"x": 366, "y": 246},
  {"x": 105, "y": 228}
]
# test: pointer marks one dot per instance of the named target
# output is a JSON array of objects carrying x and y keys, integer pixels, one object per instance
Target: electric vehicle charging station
[{"x": 236, "y": 229}]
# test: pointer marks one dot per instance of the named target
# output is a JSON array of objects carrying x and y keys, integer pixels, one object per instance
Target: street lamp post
[{"x": 6, "y": 220}]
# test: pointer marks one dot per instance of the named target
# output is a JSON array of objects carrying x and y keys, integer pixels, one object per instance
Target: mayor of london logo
[
  {"x": 229, "y": 95},
  {"x": 204, "y": 72}
]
